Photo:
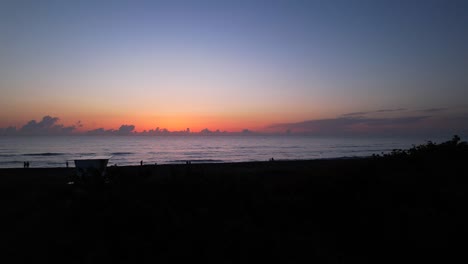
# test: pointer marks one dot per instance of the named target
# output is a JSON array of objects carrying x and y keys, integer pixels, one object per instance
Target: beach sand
[{"x": 336, "y": 211}]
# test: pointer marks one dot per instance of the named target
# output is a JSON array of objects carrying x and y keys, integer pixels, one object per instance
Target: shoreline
[
  {"x": 193, "y": 162},
  {"x": 54, "y": 152}
]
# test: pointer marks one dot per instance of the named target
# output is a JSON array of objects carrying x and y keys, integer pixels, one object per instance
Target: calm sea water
[{"x": 130, "y": 150}]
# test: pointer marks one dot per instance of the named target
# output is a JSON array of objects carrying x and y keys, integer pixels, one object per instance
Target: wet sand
[{"x": 336, "y": 211}]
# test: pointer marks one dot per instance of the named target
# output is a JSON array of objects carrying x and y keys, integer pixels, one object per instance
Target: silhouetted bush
[{"x": 454, "y": 148}]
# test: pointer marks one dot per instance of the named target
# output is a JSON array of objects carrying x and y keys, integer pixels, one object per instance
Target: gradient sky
[{"x": 230, "y": 65}]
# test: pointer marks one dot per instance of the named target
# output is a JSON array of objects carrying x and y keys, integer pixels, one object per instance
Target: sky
[{"x": 324, "y": 67}]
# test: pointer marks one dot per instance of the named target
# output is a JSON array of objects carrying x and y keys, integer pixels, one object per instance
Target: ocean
[{"x": 48, "y": 151}]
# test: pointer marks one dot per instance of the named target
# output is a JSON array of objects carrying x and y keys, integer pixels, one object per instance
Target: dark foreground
[{"x": 383, "y": 209}]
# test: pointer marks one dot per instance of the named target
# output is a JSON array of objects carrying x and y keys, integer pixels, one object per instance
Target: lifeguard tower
[{"x": 91, "y": 169}]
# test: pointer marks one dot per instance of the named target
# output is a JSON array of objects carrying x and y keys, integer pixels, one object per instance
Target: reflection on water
[{"x": 130, "y": 150}]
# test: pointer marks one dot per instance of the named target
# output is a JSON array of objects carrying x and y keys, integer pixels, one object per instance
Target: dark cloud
[
  {"x": 390, "y": 110},
  {"x": 380, "y": 111},
  {"x": 100, "y": 132},
  {"x": 126, "y": 130},
  {"x": 394, "y": 121},
  {"x": 8, "y": 131},
  {"x": 350, "y": 125},
  {"x": 433, "y": 110},
  {"x": 206, "y": 131},
  {"x": 47, "y": 126},
  {"x": 355, "y": 114},
  {"x": 122, "y": 131},
  {"x": 50, "y": 126}
]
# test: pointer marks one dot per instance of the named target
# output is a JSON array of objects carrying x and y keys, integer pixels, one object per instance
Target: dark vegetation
[{"x": 408, "y": 205}]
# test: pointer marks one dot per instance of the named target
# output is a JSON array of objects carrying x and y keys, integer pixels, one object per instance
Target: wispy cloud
[
  {"x": 390, "y": 110},
  {"x": 380, "y": 111},
  {"x": 433, "y": 110},
  {"x": 354, "y": 114}
]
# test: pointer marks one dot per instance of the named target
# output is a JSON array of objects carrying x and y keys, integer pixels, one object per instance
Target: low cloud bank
[
  {"x": 47, "y": 126},
  {"x": 350, "y": 125},
  {"x": 380, "y": 111},
  {"x": 124, "y": 130},
  {"x": 384, "y": 122}
]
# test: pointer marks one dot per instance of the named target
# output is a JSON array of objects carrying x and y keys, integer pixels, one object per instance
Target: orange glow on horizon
[
  {"x": 171, "y": 123},
  {"x": 86, "y": 121}
]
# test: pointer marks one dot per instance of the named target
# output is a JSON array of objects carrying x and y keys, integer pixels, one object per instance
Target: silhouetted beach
[{"x": 403, "y": 206}]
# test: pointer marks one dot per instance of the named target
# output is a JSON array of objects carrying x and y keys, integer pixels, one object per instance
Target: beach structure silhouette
[{"x": 91, "y": 169}]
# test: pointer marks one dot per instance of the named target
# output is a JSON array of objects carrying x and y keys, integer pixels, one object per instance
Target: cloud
[
  {"x": 47, "y": 126},
  {"x": 8, "y": 131},
  {"x": 433, "y": 110},
  {"x": 351, "y": 125},
  {"x": 380, "y": 111},
  {"x": 390, "y": 110},
  {"x": 355, "y": 114},
  {"x": 126, "y": 130},
  {"x": 393, "y": 121},
  {"x": 122, "y": 131},
  {"x": 99, "y": 132}
]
